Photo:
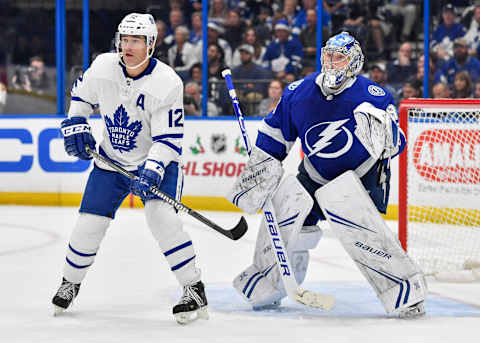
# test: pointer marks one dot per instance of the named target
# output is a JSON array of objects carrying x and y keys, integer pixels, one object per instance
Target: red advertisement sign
[{"x": 448, "y": 155}]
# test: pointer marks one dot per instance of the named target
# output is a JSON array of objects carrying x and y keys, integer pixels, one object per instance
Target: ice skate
[
  {"x": 64, "y": 296},
  {"x": 413, "y": 311},
  {"x": 192, "y": 305}
]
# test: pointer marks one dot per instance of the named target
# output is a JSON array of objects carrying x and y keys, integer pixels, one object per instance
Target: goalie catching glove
[
  {"x": 258, "y": 180},
  {"x": 378, "y": 130}
]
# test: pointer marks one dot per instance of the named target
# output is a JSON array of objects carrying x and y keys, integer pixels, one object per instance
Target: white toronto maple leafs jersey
[{"x": 143, "y": 115}]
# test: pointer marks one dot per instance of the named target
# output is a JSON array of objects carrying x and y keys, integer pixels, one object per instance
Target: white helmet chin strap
[
  {"x": 147, "y": 57},
  {"x": 120, "y": 54}
]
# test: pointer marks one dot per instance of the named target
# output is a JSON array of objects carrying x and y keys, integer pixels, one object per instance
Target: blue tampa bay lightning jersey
[{"x": 325, "y": 125}]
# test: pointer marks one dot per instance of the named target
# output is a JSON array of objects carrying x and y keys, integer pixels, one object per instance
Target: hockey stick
[
  {"x": 238, "y": 231},
  {"x": 294, "y": 291}
]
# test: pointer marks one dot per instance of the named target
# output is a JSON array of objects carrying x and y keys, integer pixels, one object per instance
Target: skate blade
[
  {"x": 185, "y": 318},
  {"x": 57, "y": 311}
]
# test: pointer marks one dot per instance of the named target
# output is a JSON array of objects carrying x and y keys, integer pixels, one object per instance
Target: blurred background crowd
[{"x": 266, "y": 43}]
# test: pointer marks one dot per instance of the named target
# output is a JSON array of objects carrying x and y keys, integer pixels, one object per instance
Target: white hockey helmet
[
  {"x": 137, "y": 24},
  {"x": 344, "y": 44}
]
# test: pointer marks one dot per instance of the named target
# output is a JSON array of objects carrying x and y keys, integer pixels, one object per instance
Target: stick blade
[
  {"x": 239, "y": 230},
  {"x": 314, "y": 299}
]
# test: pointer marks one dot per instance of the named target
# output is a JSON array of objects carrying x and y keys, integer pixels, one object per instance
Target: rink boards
[{"x": 36, "y": 171}]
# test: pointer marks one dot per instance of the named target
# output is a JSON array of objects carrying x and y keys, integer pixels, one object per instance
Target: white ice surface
[{"x": 128, "y": 294}]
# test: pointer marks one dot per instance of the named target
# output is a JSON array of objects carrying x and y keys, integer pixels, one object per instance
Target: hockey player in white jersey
[
  {"x": 141, "y": 102},
  {"x": 348, "y": 128}
]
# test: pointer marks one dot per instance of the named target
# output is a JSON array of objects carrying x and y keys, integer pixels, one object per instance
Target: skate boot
[
  {"x": 413, "y": 311},
  {"x": 192, "y": 305},
  {"x": 65, "y": 295}
]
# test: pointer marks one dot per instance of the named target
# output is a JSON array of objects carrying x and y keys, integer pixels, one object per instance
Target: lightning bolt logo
[{"x": 326, "y": 136}]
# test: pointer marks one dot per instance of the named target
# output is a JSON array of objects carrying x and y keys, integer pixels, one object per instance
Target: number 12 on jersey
[{"x": 175, "y": 118}]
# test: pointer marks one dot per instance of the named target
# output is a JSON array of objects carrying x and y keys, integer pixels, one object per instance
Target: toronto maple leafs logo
[{"x": 122, "y": 134}]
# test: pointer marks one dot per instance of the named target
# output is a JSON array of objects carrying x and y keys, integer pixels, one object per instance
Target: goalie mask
[
  {"x": 342, "y": 58},
  {"x": 136, "y": 24}
]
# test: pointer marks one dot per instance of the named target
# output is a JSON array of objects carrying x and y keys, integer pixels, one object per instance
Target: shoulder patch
[
  {"x": 295, "y": 84},
  {"x": 375, "y": 90}
]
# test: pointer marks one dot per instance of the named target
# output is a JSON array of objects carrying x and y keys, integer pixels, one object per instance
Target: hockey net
[{"x": 439, "y": 187}]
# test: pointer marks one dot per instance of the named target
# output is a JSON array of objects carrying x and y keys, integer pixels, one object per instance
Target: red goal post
[{"x": 439, "y": 186}]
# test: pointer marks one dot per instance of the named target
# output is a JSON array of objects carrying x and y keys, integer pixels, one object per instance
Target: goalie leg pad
[
  {"x": 405, "y": 294},
  {"x": 255, "y": 288},
  {"x": 292, "y": 204},
  {"x": 264, "y": 288},
  {"x": 308, "y": 238},
  {"x": 370, "y": 243}
]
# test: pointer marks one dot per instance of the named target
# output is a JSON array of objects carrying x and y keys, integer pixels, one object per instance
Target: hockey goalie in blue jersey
[
  {"x": 141, "y": 102},
  {"x": 348, "y": 128}
]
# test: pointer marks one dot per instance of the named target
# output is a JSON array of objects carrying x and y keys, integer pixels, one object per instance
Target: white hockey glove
[
  {"x": 377, "y": 130},
  {"x": 258, "y": 180}
]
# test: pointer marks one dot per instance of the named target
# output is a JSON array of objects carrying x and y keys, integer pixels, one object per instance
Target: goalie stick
[
  {"x": 237, "y": 232},
  {"x": 294, "y": 292}
]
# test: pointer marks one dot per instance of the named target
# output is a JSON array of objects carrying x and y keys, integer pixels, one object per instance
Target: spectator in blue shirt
[
  {"x": 175, "y": 19},
  {"x": 197, "y": 28},
  {"x": 248, "y": 70},
  {"x": 284, "y": 54},
  {"x": 446, "y": 33},
  {"x": 461, "y": 62},
  {"x": 252, "y": 79},
  {"x": 300, "y": 21}
]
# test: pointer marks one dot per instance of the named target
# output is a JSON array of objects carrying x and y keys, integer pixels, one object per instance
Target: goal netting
[{"x": 439, "y": 187}]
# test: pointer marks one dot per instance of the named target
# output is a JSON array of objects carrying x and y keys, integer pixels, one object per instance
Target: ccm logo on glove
[{"x": 74, "y": 129}]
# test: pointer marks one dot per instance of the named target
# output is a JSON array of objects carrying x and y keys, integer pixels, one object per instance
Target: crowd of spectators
[{"x": 270, "y": 43}]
